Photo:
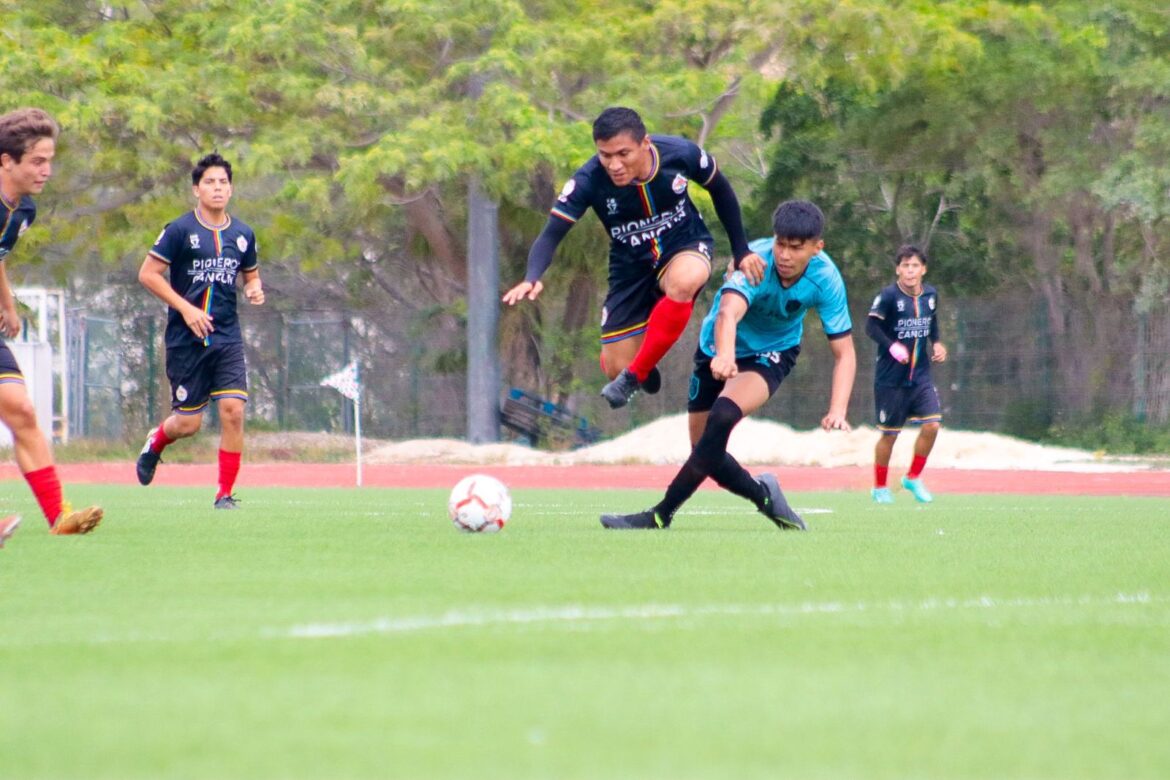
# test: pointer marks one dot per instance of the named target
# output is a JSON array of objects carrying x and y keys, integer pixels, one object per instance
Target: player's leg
[
  {"x": 882, "y": 452},
  {"x": 190, "y": 388},
  {"x": 926, "y": 412},
  {"x": 34, "y": 457},
  {"x": 633, "y": 291},
  {"x": 231, "y": 395},
  {"x": 891, "y": 406},
  {"x": 679, "y": 281}
]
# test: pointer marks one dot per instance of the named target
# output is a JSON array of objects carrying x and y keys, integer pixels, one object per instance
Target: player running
[
  {"x": 903, "y": 320},
  {"x": 749, "y": 343},
  {"x": 28, "y": 142},
  {"x": 660, "y": 249},
  {"x": 204, "y": 251}
]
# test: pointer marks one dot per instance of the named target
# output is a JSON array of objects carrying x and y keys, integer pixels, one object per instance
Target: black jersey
[
  {"x": 16, "y": 220},
  {"x": 650, "y": 220},
  {"x": 912, "y": 320},
  {"x": 204, "y": 261}
]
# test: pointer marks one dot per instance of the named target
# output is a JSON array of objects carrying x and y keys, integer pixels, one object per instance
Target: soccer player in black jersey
[
  {"x": 903, "y": 320},
  {"x": 660, "y": 249},
  {"x": 28, "y": 142},
  {"x": 204, "y": 251}
]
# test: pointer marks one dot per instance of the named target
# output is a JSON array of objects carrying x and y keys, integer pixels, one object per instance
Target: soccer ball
[{"x": 479, "y": 503}]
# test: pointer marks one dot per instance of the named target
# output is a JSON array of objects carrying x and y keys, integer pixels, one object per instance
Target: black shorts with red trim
[
  {"x": 634, "y": 290},
  {"x": 915, "y": 404},
  {"x": 199, "y": 375}
]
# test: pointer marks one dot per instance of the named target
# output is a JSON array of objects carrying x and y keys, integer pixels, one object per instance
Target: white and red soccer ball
[{"x": 479, "y": 503}]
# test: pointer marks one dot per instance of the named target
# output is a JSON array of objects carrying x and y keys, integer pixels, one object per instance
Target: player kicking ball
[
  {"x": 748, "y": 344},
  {"x": 903, "y": 320},
  {"x": 28, "y": 143},
  {"x": 660, "y": 248},
  {"x": 204, "y": 251}
]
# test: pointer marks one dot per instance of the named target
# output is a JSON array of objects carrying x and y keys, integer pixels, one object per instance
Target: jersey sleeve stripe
[
  {"x": 568, "y": 218},
  {"x": 714, "y": 170},
  {"x": 159, "y": 257}
]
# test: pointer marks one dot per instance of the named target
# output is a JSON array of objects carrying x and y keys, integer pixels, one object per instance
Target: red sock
[
  {"x": 229, "y": 467},
  {"x": 47, "y": 488},
  {"x": 916, "y": 467},
  {"x": 159, "y": 440},
  {"x": 667, "y": 322},
  {"x": 880, "y": 475}
]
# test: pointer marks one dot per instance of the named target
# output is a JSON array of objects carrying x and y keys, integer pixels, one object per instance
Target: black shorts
[
  {"x": 9, "y": 371},
  {"x": 705, "y": 388},
  {"x": 633, "y": 292},
  {"x": 896, "y": 406},
  {"x": 200, "y": 374}
]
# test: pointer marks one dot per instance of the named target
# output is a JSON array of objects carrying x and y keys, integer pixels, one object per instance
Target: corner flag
[{"x": 345, "y": 382}]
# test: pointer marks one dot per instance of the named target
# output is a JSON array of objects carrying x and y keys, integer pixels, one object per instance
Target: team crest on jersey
[
  {"x": 23, "y": 227},
  {"x": 567, "y": 190},
  {"x": 901, "y": 305},
  {"x": 930, "y": 302},
  {"x": 679, "y": 185},
  {"x": 611, "y": 205},
  {"x": 703, "y": 159},
  {"x": 242, "y": 243},
  {"x": 180, "y": 394},
  {"x": 194, "y": 239}
]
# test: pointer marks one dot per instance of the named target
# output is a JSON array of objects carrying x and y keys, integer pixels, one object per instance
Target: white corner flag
[{"x": 348, "y": 382}]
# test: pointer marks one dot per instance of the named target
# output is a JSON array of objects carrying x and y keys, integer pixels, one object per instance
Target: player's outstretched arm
[
  {"x": 844, "y": 371},
  {"x": 523, "y": 291},
  {"x": 152, "y": 275},
  {"x": 540, "y": 257},
  {"x": 727, "y": 209}
]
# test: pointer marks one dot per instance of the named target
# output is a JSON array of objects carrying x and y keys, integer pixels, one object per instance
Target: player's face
[
  {"x": 625, "y": 159},
  {"x": 28, "y": 177},
  {"x": 910, "y": 272},
  {"x": 791, "y": 255},
  {"x": 214, "y": 190}
]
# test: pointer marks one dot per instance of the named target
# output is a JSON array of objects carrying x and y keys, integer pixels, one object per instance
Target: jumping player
[
  {"x": 204, "y": 251},
  {"x": 660, "y": 249},
  {"x": 749, "y": 343},
  {"x": 903, "y": 320},
  {"x": 28, "y": 142}
]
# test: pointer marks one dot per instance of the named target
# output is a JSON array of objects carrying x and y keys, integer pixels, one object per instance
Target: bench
[{"x": 536, "y": 419}]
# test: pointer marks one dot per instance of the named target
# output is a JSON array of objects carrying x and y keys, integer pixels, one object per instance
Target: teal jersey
[{"x": 775, "y": 317}]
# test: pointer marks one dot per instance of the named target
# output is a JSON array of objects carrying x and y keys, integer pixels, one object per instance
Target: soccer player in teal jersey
[
  {"x": 748, "y": 344},
  {"x": 28, "y": 143},
  {"x": 903, "y": 320},
  {"x": 205, "y": 251},
  {"x": 660, "y": 248}
]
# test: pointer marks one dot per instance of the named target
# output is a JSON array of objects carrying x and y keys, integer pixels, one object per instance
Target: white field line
[{"x": 646, "y": 612}]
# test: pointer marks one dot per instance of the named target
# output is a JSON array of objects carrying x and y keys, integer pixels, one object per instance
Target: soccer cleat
[
  {"x": 648, "y": 519},
  {"x": 776, "y": 506},
  {"x": 80, "y": 522},
  {"x": 619, "y": 392},
  {"x": 148, "y": 461},
  {"x": 915, "y": 486},
  {"x": 653, "y": 382},
  {"x": 227, "y": 502},
  {"x": 882, "y": 495},
  {"x": 8, "y": 527}
]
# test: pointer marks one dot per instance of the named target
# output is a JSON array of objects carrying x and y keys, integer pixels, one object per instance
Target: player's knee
[
  {"x": 20, "y": 415},
  {"x": 712, "y": 445},
  {"x": 231, "y": 415},
  {"x": 930, "y": 429},
  {"x": 184, "y": 425}
]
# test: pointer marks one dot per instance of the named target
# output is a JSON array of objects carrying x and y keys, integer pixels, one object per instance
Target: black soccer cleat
[
  {"x": 227, "y": 502},
  {"x": 776, "y": 506},
  {"x": 653, "y": 382},
  {"x": 639, "y": 520},
  {"x": 619, "y": 392},
  {"x": 148, "y": 461}
]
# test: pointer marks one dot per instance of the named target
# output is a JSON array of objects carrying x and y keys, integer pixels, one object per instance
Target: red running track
[{"x": 1129, "y": 483}]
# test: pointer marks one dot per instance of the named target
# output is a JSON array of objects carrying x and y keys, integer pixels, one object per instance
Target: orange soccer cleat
[{"x": 80, "y": 522}]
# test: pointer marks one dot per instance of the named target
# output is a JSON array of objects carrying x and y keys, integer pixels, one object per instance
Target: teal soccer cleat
[
  {"x": 882, "y": 495},
  {"x": 915, "y": 486}
]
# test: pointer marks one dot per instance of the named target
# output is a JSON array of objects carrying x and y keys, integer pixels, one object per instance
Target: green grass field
[{"x": 338, "y": 633}]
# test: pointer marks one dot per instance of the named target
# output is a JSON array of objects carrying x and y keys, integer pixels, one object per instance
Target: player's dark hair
[
  {"x": 212, "y": 160},
  {"x": 22, "y": 128},
  {"x": 616, "y": 120},
  {"x": 798, "y": 219},
  {"x": 906, "y": 251}
]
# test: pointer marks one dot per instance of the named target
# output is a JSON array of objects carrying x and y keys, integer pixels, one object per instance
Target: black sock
[
  {"x": 707, "y": 456},
  {"x": 735, "y": 478}
]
